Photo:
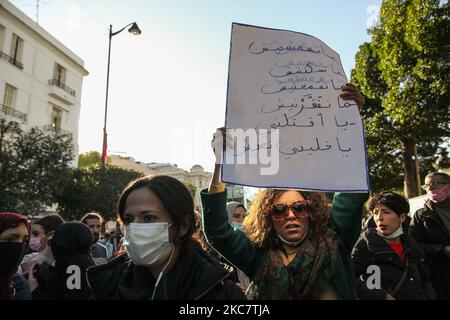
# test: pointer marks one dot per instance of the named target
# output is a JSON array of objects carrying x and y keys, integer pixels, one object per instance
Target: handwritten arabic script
[{"x": 289, "y": 81}]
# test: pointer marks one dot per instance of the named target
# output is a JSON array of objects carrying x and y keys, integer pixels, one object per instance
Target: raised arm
[
  {"x": 347, "y": 209},
  {"x": 346, "y": 216},
  {"x": 229, "y": 241}
]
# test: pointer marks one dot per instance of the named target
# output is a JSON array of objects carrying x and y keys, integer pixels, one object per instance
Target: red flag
[{"x": 105, "y": 149}]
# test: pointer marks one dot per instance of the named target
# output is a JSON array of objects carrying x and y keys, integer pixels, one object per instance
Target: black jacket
[
  {"x": 21, "y": 288},
  {"x": 64, "y": 281},
  {"x": 67, "y": 279},
  {"x": 429, "y": 231},
  {"x": 371, "y": 249},
  {"x": 194, "y": 276}
]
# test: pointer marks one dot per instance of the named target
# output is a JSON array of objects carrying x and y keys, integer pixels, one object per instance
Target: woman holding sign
[{"x": 292, "y": 247}]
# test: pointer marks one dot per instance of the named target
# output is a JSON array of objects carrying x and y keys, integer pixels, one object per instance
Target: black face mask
[{"x": 11, "y": 254}]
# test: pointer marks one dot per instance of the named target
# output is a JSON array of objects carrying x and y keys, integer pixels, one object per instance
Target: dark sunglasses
[{"x": 300, "y": 209}]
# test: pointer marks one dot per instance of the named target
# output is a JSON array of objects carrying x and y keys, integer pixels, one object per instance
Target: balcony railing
[
  {"x": 13, "y": 112},
  {"x": 11, "y": 60},
  {"x": 60, "y": 84},
  {"x": 56, "y": 130}
]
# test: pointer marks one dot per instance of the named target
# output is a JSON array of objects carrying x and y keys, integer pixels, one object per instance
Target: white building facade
[{"x": 40, "y": 78}]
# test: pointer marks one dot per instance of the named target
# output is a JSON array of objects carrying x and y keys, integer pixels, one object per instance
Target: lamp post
[{"x": 134, "y": 29}]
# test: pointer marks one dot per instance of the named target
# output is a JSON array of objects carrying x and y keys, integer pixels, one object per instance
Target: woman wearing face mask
[
  {"x": 430, "y": 227},
  {"x": 14, "y": 237},
  {"x": 236, "y": 214},
  {"x": 41, "y": 233},
  {"x": 290, "y": 248},
  {"x": 163, "y": 261},
  {"x": 399, "y": 259}
]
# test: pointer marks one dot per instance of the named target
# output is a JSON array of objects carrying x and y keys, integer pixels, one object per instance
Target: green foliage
[
  {"x": 33, "y": 165},
  {"x": 94, "y": 188},
  {"x": 404, "y": 72},
  {"x": 88, "y": 159}
]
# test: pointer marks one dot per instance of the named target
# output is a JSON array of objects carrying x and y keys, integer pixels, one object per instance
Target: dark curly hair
[{"x": 258, "y": 224}]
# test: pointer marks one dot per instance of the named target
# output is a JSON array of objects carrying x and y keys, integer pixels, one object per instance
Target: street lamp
[{"x": 134, "y": 29}]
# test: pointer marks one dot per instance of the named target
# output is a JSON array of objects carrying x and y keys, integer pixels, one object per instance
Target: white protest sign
[{"x": 288, "y": 84}]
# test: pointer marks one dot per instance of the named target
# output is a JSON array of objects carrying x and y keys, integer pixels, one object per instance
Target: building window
[
  {"x": 56, "y": 119},
  {"x": 60, "y": 75},
  {"x": 16, "y": 48},
  {"x": 9, "y": 103},
  {"x": 9, "y": 99},
  {"x": 2, "y": 37},
  {"x": 59, "y": 79}
]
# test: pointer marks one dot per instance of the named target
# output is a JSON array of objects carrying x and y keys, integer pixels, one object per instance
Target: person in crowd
[
  {"x": 14, "y": 238},
  {"x": 430, "y": 227},
  {"x": 291, "y": 247},
  {"x": 162, "y": 260},
  {"x": 400, "y": 260},
  {"x": 98, "y": 251},
  {"x": 113, "y": 240},
  {"x": 66, "y": 280},
  {"x": 41, "y": 233},
  {"x": 236, "y": 214},
  {"x": 106, "y": 242}
]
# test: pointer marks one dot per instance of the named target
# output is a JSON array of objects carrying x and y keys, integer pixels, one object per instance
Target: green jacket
[{"x": 346, "y": 217}]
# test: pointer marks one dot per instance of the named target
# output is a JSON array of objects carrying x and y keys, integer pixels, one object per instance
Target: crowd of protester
[{"x": 289, "y": 245}]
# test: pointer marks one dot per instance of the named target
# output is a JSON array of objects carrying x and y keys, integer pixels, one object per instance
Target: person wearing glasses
[
  {"x": 294, "y": 245},
  {"x": 292, "y": 248},
  {"x": 430, "y": 227},
  {"x": 399, "y": 259}
]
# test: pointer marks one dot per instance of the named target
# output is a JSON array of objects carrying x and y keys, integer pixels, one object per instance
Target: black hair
[
  {"x": 71, "y": 238},
  {"x": 50, "y": 223},
  {"x": 443, "y": 175},
  {"x": 392, "y": 200},
  {"x": 175, "y": 197}
]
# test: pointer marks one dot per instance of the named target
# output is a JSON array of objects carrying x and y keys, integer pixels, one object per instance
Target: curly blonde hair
[{"x": 258, "y": 224}]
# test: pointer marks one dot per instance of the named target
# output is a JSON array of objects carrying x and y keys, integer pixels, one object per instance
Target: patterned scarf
[{"x": 307, "y": 276}]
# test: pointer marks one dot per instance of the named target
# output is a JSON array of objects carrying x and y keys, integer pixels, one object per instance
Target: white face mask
[
  {"x": 293, "y": 243},
  {"x": 148, "y": 243},
  {"x": 237, "y": 225},
  {"x": 395, "y": 234}
]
